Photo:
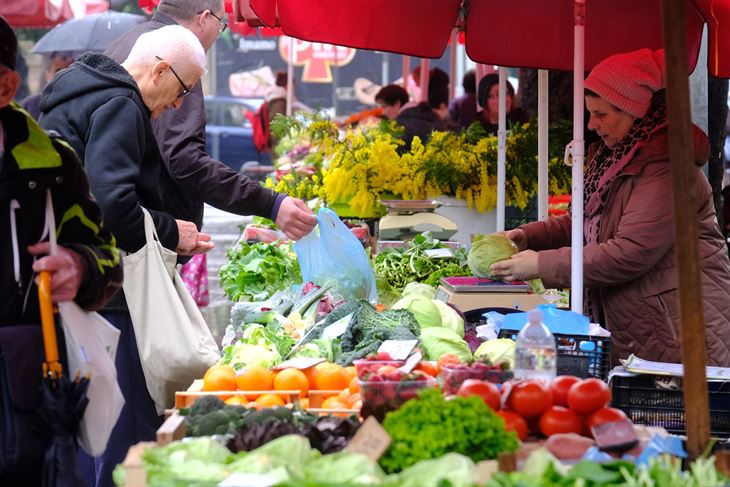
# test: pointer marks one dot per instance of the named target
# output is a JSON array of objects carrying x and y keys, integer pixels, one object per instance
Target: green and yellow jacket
[{"x": 33, "y": 161}]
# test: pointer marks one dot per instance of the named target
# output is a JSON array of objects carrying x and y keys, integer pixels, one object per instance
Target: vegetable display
[
  {"x": 211, "y": 416},
  {"x": 430, "y": 426}
]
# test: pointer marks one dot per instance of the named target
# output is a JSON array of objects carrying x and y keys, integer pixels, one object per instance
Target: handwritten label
[
  {"x": 299, "y": 363},
  {"x": 398, "y": 349},
  {"x": 439, "y": 253},
  {"x": 337, "y": 328},
  {"x": 370, "y": 440},
  {"x": 411, "y": 363}
]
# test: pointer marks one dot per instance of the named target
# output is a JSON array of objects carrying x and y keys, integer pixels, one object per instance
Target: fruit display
[{"x": 454, "y": 374}]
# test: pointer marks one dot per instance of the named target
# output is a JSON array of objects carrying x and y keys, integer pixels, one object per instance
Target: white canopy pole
[
  {"x": 542, "y": 144},
  {"x": 578, "y": 153},
  {"x": 406, "y": 70},
  {"x": 423, "y": 82},
  {"x": 290, "y": 79},
  {"x": 452, "y": 63},
  {"x": 501, "y": 147}
]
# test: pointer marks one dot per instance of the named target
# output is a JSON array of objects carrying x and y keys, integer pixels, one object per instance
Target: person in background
[
  {"x": 55, "y": 63},
  {"x": 629, "y": 259},
  {"x": 392, "y": 98},
  {"x": 463, "y": 109},
  {"x": 85, "y": 269},
  {"x": 488, "y": 96},
  {"x": 426, "y": 116},
  {"x": 198, "y": 178},
  {"x": 104, "y": 110}
]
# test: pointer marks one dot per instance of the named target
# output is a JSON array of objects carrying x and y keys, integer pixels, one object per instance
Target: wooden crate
[{"x": 135, "y": 474}]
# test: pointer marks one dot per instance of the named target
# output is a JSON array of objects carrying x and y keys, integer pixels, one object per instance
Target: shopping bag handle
[{"x": 51, "y": 367}]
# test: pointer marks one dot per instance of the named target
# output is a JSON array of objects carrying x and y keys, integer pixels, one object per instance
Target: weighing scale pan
[{"x": 480, "y": 285}]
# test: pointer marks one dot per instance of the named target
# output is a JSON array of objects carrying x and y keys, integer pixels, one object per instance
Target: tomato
[
  {"x": 514, "y": 422},
  {"x": 530, "y": 398},
  {"x": 428, "y": 367},
  {"x": 586, "y": 396},
  {"x": 559, "y": 419},
  {"x": 603, "y": 415},
  {"x": 486, "y": 390},
  {"x": 560, "y": 386}
]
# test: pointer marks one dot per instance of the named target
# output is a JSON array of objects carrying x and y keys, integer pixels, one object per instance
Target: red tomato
[
  {"x": 603, "y": 415},
  {"x": 428, "y": 367},
  {"x": 514, "y": 422},
  {"x": 586, "y": 396},
  {"x": 559, "y": 419},
  {"x": 449, "y": 358},
  {"x": 486, "y": 390},
  {"x": 560, "y": 387},
  {"x": 530, "y": 398}
]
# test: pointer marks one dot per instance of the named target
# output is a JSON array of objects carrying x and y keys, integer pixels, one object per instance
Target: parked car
[{"x": 228, "y": 132}]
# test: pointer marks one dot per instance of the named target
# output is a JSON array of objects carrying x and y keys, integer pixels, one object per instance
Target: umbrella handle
[{"x": 51, "y": 367}]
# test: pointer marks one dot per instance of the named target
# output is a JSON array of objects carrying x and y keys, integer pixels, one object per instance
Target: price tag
[
  {"x": 398, "y": 349},
  {"x": 411, "y": 363},
  {"x": 485, "y": 470},
  {"x": 336, "y": 329},
  {"x": 299, "y": 363},
  {"x": 439, "y": 253},
  {"x": 370, "y": 440}
]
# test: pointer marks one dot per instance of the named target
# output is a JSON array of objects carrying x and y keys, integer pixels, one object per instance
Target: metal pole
[
  {"x": 578, "y": 153},
  {"x": 501, "y": 148},
  {"x": 335, "y": 83},
  {"x": 385, "y": 68},
  {"x": 542, "y": 144},
  {"x": 452, "y": 63},
  {"x": 290, "y": 79},
  {"x": 406, "y": 70},
  {"x": 423, "y": 83}
]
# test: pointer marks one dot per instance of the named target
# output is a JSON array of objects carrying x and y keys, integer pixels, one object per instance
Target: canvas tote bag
[
  {"x": 91, "y": 345},
  {"x": 175, "y": 344}
]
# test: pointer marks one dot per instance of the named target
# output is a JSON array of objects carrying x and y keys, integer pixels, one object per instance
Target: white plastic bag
[{"x": 91, "y": 345}]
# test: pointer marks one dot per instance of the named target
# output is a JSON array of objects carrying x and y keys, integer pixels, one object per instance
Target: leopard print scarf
[{"x": 605, "y": 166}]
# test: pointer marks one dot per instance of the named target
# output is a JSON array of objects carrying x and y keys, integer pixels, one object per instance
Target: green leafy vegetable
[
  {"x": 423, "y": 309},
  {"x": 450, "y": 318},
  {"x": 255, "y": 272},
  {"x": 438, "y": 341},
  {"x": 430, "y": 426},
  {"x": 452, "y": 469}
]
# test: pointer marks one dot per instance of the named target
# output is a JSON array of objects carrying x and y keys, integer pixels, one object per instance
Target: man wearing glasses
[
  {"x": 181, "y": 137},
  {"x": 104, "y": 110}
]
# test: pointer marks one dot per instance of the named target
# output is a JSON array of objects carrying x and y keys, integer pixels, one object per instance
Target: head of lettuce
[{"x": 491, "y": 248}]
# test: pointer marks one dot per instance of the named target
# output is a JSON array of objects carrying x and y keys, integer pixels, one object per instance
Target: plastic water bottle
[{"x": 535, "y": 352}]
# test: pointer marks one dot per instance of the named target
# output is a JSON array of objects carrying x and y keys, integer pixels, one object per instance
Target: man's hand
[
  {"x": 520, "y": 267},
  {"x": 295, "y": 218},
  {"x": 190, "y": 241},
  {"x": 66, "y": 268}
]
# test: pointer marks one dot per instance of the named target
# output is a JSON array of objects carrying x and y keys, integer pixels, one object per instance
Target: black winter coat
[{"x": 97, "y": 107}]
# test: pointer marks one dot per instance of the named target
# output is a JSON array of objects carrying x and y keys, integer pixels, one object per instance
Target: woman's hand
[
  {"x": 520, "y": 267},
  {"x": 66, "y": 268},
  {"x": 519, "y": 237}
]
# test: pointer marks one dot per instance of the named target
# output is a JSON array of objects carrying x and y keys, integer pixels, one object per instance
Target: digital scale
[
  {"x": 468, "y": 293},
  {"x": 407, "y": 218}
]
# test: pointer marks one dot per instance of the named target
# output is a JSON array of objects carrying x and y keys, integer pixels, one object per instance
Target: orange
[
  {"x": 351, "y": 371},
  {"x": 254, "y": 405},
  {"x": 220, "y": 378},
  {"x": 332, "y": 403},
  {"x": 354, "y": 385},
  {"x": 236, "y": 400},
  {"x": 304, "y": 403},
  {"x": 353, "y": 399},
  {"x": 344, "y": 396},
  {"x": 254, "y": 378},
  {"x": 291, "y": 380},
  {"x": 311, "y": 374},
  {"x": 332, "y": 378},
  {"x": 356, "y": 404},
  {"x": 270, "y": 400},
  {"x": 449, "y": 358}
]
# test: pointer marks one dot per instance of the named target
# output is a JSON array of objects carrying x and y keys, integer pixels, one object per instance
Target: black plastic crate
[
  {"x": 645, "y": 403},
  {"x": 583, "y": 356}
]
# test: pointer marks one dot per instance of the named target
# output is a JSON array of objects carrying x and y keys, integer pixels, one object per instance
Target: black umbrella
[
  {"x": 63, "y": 402},
  {"x": 94, "y": 32}
]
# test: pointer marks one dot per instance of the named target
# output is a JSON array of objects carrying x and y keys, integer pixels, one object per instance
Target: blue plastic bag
[
  {"x": 557, "y": 320},
  {"x": 331, "y": 254}
]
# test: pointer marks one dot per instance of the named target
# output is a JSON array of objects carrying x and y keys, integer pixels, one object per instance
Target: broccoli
[
  {"x": 204, "y": 405},
  {"x": 219, "y": 422}
]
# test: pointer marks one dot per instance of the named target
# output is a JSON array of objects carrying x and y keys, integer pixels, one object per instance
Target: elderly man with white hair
[{"x": 104, "y": 110}]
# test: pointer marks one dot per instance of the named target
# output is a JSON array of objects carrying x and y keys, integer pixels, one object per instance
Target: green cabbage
[
  {"x": 438, "y": 341},
  {"x": 418, "y": 288},
  {"x": 343, "y": 468},
  {"x": 450, "y": 318},
  {"x": 423, "y": 309},
  {"x": 452, "y": 469},
  {"x": 488, "y": 249},
  {"x": 497, "y": 351}
]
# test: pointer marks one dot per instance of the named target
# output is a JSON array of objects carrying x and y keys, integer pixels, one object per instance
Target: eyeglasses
[
  {"x": 222, "y": 22},
  {"x": 185, "y": 90}
]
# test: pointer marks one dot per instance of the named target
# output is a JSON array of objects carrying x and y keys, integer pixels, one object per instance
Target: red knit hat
[{"x": 628, "y": 80}]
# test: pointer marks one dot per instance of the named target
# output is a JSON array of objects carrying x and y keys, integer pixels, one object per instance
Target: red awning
[
  {"x": 44, "y": 14},
  {"x": 528, "y": 33}
]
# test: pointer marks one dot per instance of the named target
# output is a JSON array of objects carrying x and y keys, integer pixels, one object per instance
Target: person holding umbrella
[
  {"x": 630, "y": 265},
  {"x": 85, "y": 269},
  {"x": 104, "y": 109}
]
